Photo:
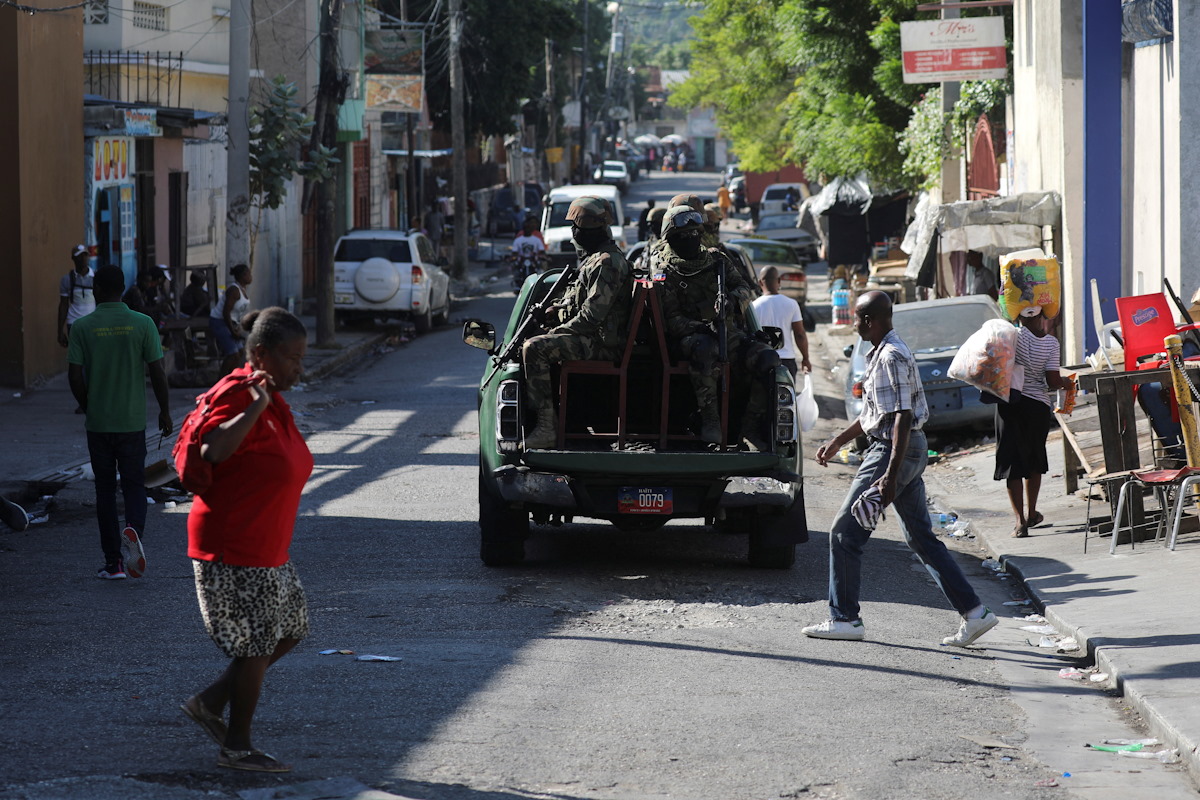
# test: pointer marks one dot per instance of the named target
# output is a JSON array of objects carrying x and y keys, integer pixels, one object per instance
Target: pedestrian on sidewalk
[
  {"x": 893, "y": 412},
  {"x": 224, "y": 320},
  {"x": 780, "y": 311},
  {"x": 1023, "y": 423},
  {"x": 239, "y": 532},
  {"x": 725, "y": 201},
  {"x": 108, "y": 353},
  {"x": 75, "y": 294}
]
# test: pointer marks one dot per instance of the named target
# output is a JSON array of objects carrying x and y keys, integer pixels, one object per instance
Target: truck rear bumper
[{"x": 521, "y": 485}]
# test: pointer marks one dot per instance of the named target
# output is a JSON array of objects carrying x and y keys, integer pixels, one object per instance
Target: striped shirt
[
  {"x": 892, "y": 384},
  {"x": 1038, "y": 355}
]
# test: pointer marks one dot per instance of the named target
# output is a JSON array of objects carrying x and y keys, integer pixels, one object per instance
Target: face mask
[
  {"x": 590, "y": 239},
  {"x": 686, "y": 244}
]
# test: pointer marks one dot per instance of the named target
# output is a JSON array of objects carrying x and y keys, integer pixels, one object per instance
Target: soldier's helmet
[
  {"x": 689, "y": 200},
  {"x": 656, "y": 214},
  {"x": 590, "y": 211},
  {"x": 681, "y": 219},
  {"x": 713, "y": 213}
]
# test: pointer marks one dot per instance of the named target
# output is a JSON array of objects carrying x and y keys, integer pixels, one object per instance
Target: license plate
[
  {"x": 944, "y": 399},
  {"x": 644, "y": 500}
]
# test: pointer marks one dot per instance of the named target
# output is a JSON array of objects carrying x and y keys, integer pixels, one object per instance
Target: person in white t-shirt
[
  {"x": 780, "y": 311},
  {"x": 530, "y": 237}
]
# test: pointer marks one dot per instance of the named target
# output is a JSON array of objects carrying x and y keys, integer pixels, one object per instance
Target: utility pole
[
  {"x": 585, "y": 58},
  {"x": 551, "y": 116},
  {"x": 237, "y": 174},
  {"x": 331, "y": 90},
  {"x": 458, "y": 142}
]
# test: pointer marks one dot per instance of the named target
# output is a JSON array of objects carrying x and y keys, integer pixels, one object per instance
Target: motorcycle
[{"x": 523, "y": 264}]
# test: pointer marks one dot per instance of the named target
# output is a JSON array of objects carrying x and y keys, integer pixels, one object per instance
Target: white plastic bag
[
  {"x": 807, "y": 412},
  {"x": 987, "y": 358}
]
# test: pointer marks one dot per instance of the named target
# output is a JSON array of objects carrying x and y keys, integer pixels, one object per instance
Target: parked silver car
[
  {"x": 389, "y": 273},
  {"x": 933, "y": 330}
]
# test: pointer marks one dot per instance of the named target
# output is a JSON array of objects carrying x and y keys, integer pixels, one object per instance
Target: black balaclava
[
  {"x": 590, "y": 239},
  {"x": 685, "y": 243}
]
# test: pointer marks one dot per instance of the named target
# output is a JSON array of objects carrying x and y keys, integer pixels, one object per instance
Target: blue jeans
[
  {"x": 126, "y": 452},
  {"x": 847, "y": 537}
]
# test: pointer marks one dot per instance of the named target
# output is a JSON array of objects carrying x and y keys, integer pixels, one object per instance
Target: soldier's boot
[
  {"x": 710, "y": 425},
  {"x": 545, "y": 434}
]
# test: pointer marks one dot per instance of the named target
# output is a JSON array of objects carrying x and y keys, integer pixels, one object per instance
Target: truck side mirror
[
  {"x": 847, "y": 350},
  {"x": 479, "y": 334},
  {"x": 774, "y": 336}
]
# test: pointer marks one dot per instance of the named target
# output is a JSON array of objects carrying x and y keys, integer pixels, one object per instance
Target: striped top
[{"x": 1038, "y": 355}]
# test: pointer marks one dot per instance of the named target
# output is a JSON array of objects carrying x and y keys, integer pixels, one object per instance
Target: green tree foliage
[
  {"x": 503, "y": 55},
  {"x": 820, "y": 83}
]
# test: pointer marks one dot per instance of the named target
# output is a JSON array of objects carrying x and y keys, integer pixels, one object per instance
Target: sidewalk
[
  {"x": 42, "y": 439},
  {"x": 1128, "y": 612}
]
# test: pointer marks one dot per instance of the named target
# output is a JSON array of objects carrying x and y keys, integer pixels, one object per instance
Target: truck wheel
[
  {"x": 502, "y": 530},
  {"x": 767, "y": 553}
]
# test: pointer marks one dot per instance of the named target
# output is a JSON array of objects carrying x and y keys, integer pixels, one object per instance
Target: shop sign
[
  {"x": 112, "y": 160},
  {"x": 142, "y": 122},
  {"x": 969, "y": 49},
  {"x": 395, "y": 93}
]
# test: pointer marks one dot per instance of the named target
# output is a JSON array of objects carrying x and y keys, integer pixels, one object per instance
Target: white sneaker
[
  {"x": 971, "y": 629},
  {"x": 836, "y": 629}
]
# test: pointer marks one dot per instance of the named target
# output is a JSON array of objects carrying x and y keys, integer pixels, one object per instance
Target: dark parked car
[
  {"x": 505, "y": 217},
  {"x": 933, "y": 330}
]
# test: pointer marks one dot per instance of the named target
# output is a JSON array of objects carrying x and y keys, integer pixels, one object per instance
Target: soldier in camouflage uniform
[
  {"x": 691, "y": 315},
  {"x": 591, "y": 322},
  {"x": 658, "y": 247},
  {"x": 645, "y": 259},
  {"x": 711, "y": 235}
]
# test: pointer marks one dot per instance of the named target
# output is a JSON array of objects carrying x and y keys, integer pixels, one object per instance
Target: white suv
[{"x": 390, "y": 273}]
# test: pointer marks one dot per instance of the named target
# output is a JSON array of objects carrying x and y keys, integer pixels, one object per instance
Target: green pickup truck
[{"x": 626, "y": 452}]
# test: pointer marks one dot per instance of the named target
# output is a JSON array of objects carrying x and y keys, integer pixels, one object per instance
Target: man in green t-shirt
[{"x": 107, "y": 354}]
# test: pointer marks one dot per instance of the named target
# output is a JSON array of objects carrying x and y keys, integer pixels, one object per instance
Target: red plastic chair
[{"x": 1146, "y": 320}]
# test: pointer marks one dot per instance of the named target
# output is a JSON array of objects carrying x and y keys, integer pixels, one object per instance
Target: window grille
[
  {"x": 95, "y": 12},
  {"x": 149, "y": 16}
]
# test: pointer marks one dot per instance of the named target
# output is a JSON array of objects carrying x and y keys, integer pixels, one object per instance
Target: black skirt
[{"x": 1021, "y": 431}]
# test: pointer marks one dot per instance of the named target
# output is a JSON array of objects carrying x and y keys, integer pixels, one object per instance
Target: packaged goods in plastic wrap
[
  {"x": 988, "y": 358},
  {"x": 1067, "y": 396},
  {"x": 1029, "y": 278}
]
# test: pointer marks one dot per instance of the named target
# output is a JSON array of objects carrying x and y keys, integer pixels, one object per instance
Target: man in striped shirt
[{"x": 893, "y": 412}]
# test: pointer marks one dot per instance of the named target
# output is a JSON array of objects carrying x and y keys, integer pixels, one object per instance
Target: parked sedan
[
  {"x": 933, "y": 330},
  {"x": 793, "y": 281},
  {"x": 782, "y": 228}
]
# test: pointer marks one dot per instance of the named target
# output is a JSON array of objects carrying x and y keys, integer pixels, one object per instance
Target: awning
[
  {"x": 350, "y": 120},
  {"x": 418, "y": 153}
]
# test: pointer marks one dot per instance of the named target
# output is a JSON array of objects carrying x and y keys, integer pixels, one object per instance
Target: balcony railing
[{"x": 128, "y": 76}]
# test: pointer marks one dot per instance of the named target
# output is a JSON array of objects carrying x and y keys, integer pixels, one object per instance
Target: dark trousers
[{"x": 111, "y": 452}]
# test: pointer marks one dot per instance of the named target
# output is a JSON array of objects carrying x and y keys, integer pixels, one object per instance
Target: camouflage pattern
[
  {"x": 690, "y": 317},
  {"x": 713, "y": 212},
  {"x": 689, "y": 200},
  {"x": 590, "y": 211},
  {"x": 671, "y": 220},
  {"x": 593, "y": 322},
  {"x": 655, "y": 219}
]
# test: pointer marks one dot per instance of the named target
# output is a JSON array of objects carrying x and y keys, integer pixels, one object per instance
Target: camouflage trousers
[
  {"x": 748, "y": 362},
  {"x": 540, "y": 353}
]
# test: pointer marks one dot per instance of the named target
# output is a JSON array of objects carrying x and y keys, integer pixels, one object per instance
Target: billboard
[
  {"x": 393, "y": 59},
  {"x": 970, "y": 49}
]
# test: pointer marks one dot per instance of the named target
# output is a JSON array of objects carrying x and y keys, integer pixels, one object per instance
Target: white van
[
  {"x": 557, "y": 231},
  {"x": 775, "y": 195}
]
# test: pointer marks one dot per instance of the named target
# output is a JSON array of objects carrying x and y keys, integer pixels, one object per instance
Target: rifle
[
  {"x": 534, "y": 316},
  {"x": 722, "y": 341}
]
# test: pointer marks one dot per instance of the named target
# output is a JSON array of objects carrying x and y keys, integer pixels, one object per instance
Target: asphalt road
[{"x": 610, "y": 665}]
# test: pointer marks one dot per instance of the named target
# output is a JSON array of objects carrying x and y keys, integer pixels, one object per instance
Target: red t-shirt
[{"x": 247, "y": 516}]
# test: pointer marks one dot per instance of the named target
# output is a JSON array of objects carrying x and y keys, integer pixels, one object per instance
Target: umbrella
[
  {"x": 647, "y": 140},
  {"x": 673, "y": 138}
]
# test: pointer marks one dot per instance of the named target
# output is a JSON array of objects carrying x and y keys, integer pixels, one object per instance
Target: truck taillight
[
  {"x": 508, "y": 411},
  {"x": 785, "y": 413},
  {"x": 856, "y": 391},
  {"x": 418, "y": 275},
  {"x": 793, "y": 277}
]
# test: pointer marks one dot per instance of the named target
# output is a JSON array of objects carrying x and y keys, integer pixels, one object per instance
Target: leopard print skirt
[{"x": 247, "y": 610}]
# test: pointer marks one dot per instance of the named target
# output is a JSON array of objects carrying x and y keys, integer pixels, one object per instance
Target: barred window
[
  {"x": 150, "y": 16},
  {"x": 95, "y": 12}
]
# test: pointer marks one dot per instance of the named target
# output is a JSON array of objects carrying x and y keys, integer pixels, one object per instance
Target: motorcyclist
[
  {"x": 530, "y": 240},
  {"x": 592, "y": 321},
  {"x": 691, "y": 316}
]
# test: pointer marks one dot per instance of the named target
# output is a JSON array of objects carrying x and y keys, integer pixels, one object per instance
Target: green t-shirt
[{"x": 113, "y": 345}]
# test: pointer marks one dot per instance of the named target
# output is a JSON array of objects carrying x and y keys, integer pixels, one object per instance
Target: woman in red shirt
[{"x": 239, "y": 531}]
